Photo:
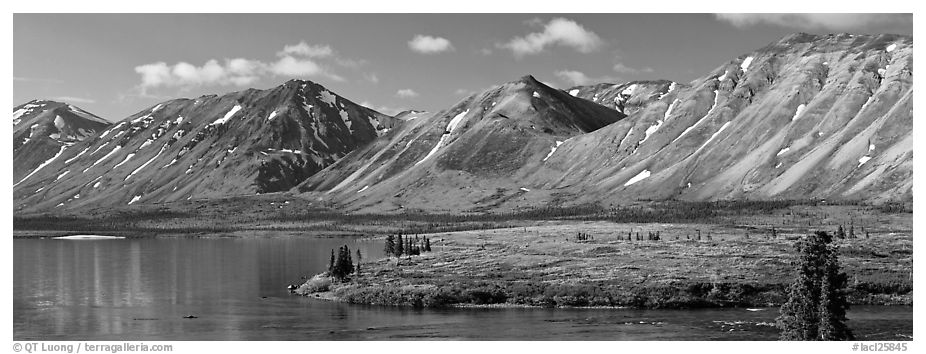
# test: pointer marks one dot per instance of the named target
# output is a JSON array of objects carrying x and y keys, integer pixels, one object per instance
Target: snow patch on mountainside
[
  {"x": 46, "y": 163},
  {"x": 146, "y": 163},
  {"x": 724, "y": 126},
  {"x": 115, "y": 150},
  {"x": 135, "y": 199},
  {"x": 553, "y": 149},
  {"x": 574, "y": 92},
  {"x": 272, "y": 115},
  {"x": 227, "y": 116},
  {"x": 444, "y": 137},
  {"x": 745, "y": 64},
  {"x": 783, "y": 151},
  {"x": 797, "y": 112},
  {"x": 709, "y": 111},
  {"x": 639, "y": 177},
  {"x": 127, "y": 158},
  {"x": 327, "y": 97},
  {"x": 891, "y": 47}
]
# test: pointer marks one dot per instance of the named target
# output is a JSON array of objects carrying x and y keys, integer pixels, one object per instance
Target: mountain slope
[
  {"x": 486, "y": 138},
  {"x": 253, "y": 141},
  {"x": 42, "y": 128},
  {"x": 805, "y": 117}
]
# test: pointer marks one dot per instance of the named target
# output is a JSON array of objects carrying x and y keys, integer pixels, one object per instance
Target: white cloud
[
  {"x": 306, "y": 50},
  {"x": 382, "y": 109},
  {"x": 463, "y": 92},
  {"x": 294, "y": 61},
  {"x": 576, "y": 78},
  {"x": 430, "y": 45},
  {"x": 837, "y": 22},
  {"x": 624, "y": 69},
  {"x": 559, "y": 31},
  {"x": 74, "y": 99},
  {"x": 406, "y": 93},
  {"x": 371, "y": 77}
]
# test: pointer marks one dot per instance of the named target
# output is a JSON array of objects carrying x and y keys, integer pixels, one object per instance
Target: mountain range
[{"x": 806, "y": 117}]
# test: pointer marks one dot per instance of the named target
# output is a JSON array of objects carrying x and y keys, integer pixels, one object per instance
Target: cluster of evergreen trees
[
  {"x": 650, "y": 236},
  {"x": 581, "y": 236},
  {"x": 817, "y": 304},
  {"x": 396, "y": 245},
  {"x": 342, "y": 266}
]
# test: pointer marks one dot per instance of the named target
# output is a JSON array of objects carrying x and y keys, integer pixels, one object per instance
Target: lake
[{"x": 141, "y": 289}]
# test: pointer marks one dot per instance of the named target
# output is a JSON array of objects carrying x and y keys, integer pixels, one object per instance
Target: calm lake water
[{"x": 140, "y": 289}]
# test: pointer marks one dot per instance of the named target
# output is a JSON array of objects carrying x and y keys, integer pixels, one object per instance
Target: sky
[{"x": 115, "y": 65}]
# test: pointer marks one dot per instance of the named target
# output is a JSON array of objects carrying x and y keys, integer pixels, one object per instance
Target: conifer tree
[
  {"x": 427, "y": 244},
  {"x": 331, "y": 263},
  {"x": 389, "y": 247},
  {"x": 399, "y": 247},
  {"x": 359, "y": 259},
  {"x": 817, "y": 304}
]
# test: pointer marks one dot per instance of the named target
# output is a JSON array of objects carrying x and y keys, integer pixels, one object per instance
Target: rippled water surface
[{"x": 141, "y": 289}]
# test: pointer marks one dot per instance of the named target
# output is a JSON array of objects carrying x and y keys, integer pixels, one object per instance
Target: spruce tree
[
  {"x": 833, "y": 302},
  {"x": 427, "y": 244},
  {"x": 359, "y": 259},
  {"x": 399, "y": 247},
  {"x": 331, "y": 263},
  {"x": 817, "y": 304},
  {"x": 389, "y": 247}
]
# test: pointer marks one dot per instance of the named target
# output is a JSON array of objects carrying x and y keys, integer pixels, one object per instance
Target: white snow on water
[
  {"x": 115, "y": 149},
  {"x": 46, "y": 163},
  {"x": 536, "y": 95},
  {"x": 863, "y": 160},
  {"x": 574, "y": 92},
  {"x": 745, "y": 64},
  {"x": 227, "y": 116},
  {"x": 146, "y": 163},
  {"x": 639, "y": 177},
  {"x": 327, "y": 97},
  {"x": 716, "y": 96},
  {"x": 62, "y": 175},
  {"x": 135, "y": 199},
  {"x": 272, "y": 114},
  {"x": 89, "y": 237},
  {"x": 525, "y": 189},
  {"x": 363, "y": 189},
  {"x": 783, "y": 151},
  {"x": 724, "y": 126},
  {"x": 797, "y": 112},
  {"x": 553, "y": 149},
  {"x": 891, "y": 47}
]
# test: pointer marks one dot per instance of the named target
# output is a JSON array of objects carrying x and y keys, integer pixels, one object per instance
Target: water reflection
[{"x": 140, "y": 289}]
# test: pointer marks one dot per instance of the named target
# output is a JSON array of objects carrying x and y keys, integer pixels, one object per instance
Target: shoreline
[{"x": 546, "y": 267}]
